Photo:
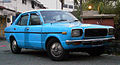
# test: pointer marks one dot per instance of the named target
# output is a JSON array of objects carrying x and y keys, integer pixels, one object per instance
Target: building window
[
  {"x": 71, "y": 6},
  {"x": 24, "y": 1},
  {"x": 33, "y": 4},
  {"x": 65, "y": 5}
]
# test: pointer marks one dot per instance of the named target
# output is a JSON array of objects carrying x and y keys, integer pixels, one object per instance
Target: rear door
[
  {"x": 34, "y": 30},
  {"x": 20, "y": 29}
]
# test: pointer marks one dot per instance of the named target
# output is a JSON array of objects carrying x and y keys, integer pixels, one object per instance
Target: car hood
[{"x": 79, "y": 25}]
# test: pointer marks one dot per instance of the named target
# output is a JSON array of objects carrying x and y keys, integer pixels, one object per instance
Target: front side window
[
  {"x": 57, "y": 16},
  {"x": 23, "y": 20},
  {"x": 35, "y": 20}
]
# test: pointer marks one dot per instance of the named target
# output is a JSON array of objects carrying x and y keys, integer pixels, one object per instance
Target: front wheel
[
  {"x": 14, "y": 47},
  {"x": 55, "y": 50}
]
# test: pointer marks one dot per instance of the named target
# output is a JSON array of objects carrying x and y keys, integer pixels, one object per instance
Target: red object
[
  {"x": 3, "y": 46},
  {"x": 99, "y": 21}
]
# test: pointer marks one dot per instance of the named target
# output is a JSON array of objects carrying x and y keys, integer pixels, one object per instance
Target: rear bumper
[{"x": 89, "y": 40}]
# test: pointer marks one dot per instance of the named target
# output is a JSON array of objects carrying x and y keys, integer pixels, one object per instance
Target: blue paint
[{"x": 38, "y": 41}]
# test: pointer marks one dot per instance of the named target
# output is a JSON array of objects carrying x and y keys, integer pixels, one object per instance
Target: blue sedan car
[{"x": 57, "y": 32}]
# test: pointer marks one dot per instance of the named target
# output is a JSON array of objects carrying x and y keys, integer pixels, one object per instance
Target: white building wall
[
  {"x": 18, "y": 6},
  {"x": 8, "y": 4},
  {"x": 56, "y": 4},
  {"x": 51, "y": 4},
  {"x": 69, "y": 2},
  {"x": 23, "y": 7}
]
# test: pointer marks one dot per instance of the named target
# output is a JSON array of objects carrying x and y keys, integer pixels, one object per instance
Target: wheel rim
[
  {"x": 56, "y": 50},
  {"x": 14, "y": 45}
]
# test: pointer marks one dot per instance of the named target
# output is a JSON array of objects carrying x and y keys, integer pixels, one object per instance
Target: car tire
[
  {"x": 96, "y": 51},
  {"x": 55, "y": 50},
  {"x": 14, "y": 47}
]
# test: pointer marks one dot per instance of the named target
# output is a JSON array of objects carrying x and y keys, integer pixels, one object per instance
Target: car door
[
  {"x": 34, "y": 30},
  {"x": 20, "y": 29}
]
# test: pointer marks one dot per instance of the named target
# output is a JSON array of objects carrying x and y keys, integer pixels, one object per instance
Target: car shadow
[
  {"x": 36, "y": 53},
  {"x": 81, "y": 57},
  {"x": 77, "y": 56}
]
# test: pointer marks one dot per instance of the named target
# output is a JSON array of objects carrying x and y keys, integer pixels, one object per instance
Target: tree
[{"x": 78, "y": 3}]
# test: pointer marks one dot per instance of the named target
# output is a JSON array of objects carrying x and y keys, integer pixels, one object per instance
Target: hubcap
[
  {"x": 14, "y": 45},
  {"x": 56, "y": 50}
]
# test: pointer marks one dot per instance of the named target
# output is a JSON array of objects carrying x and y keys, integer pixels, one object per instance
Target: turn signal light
[{"x": 64, "y": 33}]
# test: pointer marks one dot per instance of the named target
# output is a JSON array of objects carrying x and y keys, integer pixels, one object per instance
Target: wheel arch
[
  {"x": 49, "y": 38},
  {"x": 11, "y": 38}
]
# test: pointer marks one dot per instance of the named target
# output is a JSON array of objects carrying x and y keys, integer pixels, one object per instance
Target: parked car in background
[{"x": 57, "y": 32}]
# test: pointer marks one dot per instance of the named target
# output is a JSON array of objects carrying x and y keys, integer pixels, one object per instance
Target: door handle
[
  {"x": 27, "y": 28},
  {"x": 14, "y": 28}
]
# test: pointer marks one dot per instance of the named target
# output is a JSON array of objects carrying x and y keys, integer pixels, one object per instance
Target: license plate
[{"x": 97, "y": 45}]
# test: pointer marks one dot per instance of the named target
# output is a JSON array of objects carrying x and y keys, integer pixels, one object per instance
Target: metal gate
[{"x": 2, "y": 26}]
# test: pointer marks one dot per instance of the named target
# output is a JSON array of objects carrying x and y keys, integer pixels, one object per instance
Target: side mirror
[
  {"x": 8, "y": 20},
  {"x": 11, "y": 23}
]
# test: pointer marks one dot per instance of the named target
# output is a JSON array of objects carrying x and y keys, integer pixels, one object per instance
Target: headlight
[
  {"x": 76, "y": 32},
  {"x": 111, "y": 31}
]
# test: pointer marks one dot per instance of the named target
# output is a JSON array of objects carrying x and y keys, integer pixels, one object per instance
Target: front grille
[{"x": 95, "y": 32}]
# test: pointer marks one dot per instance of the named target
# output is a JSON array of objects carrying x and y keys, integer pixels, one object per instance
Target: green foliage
[
  {"x": 117, "y": 9},
  {"x": 77, "y": 14},
  {"x": 102, "y": 6}
]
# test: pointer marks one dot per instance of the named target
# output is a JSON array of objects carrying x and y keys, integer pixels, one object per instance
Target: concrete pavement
[{"x": 35, "y": 57}]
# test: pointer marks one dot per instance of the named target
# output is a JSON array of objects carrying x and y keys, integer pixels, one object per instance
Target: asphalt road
[{"x": 33, "y": 57}]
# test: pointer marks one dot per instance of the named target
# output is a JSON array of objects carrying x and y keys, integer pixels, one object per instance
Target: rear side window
[
  {"x": 23, "y": 20},
  {"x": 35, "y": 19}
]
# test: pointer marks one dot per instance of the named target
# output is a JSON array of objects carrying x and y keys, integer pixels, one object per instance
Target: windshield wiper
[
  {"x": 74, "y": 21},
  {"x": 61, "y": 20}
]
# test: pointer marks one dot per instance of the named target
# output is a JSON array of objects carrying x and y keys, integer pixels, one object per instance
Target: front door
[{"x": 34, "y": 30}]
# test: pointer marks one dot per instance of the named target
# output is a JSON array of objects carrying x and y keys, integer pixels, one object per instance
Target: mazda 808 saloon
[{"x": 57, "y": 32}]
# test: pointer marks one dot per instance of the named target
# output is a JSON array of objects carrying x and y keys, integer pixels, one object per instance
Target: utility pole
[
  {"x": 62, "y": 3},
  {"x": 81, "y": 13}
]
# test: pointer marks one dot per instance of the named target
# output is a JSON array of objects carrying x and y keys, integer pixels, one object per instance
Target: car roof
[{"x": 38, "y": 10}]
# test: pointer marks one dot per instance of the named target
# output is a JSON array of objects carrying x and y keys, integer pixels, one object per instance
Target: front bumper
[{"x": 88, "y": 40}]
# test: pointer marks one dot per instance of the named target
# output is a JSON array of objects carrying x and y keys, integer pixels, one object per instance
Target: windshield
[{"x": 57, "y": 16}]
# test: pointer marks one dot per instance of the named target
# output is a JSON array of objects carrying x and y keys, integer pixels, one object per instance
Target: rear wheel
[
  {"x": 55, "y": 50},
  {"x": 14, "y": 47}
]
